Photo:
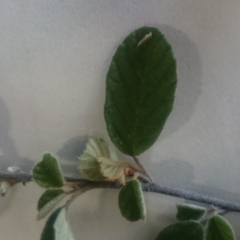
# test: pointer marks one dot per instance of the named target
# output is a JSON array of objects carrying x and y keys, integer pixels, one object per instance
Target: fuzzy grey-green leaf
[
  {"x": 188, "y": 230},
  {"x": 48, "y": 232},
  {"x": 189, "y": 212},
  {"x": 115, "y": 170},
  {"x": 61, "y": 227},
  {"x": 48, "y": 201},
  {"x": 56, "y": 227},
  {"x": 219, "y": 229},
  {"x": 47, "y": 173},
  {"x": 131, "y": 202},
  {"x": 140, "y": 89},
  {"x": 88, "y": 164}
]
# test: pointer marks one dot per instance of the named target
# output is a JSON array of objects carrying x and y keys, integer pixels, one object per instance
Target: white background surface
[{"x": 54, "y": 56}]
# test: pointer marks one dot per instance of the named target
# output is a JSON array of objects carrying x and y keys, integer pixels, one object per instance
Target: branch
[
  {"x": 27, "y": 177},
  {"x": 78, "y": 193},
  {"x": 17, "y": 177},
  {"x": 147, "y": 187}
]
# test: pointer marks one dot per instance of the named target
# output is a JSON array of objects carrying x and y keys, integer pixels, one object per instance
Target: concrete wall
[{"x": 54, "y": 56}]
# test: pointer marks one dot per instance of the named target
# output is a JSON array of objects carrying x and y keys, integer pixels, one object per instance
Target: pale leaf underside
[
  {"x": 88, "y": 164},
  {"x": 115, "y": 170}
]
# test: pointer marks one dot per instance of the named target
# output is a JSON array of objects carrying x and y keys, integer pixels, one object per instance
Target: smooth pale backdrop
[{"x": 54, "y": 56}]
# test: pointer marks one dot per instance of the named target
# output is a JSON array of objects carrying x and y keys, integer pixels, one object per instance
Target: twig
[
  {"x": 189, "y": 195},
  {"x": 78, "y": 193},
  {"x": 143, "y": 170},
  {"x": 147, "y": 187},
  {"x": 88, "y": 186},
  {"x": 18, "y": 177}
]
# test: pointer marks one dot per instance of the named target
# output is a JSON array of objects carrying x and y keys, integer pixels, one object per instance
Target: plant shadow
[
  {"x": 189, "y": 74},
  {"x": 70, "y": 152},
  {"x": 8, "y": 152}
]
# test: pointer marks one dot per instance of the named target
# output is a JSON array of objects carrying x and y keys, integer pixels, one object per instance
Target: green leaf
[
  {"x": 189, "y": 230},
  {"x": 189, "y": 212},
  {"x": 56, "y": 227},
  {"x": 141, "y": 83},
  {"x": 88, "y": 164},
  {"x": 48, "y": 231},
  {"x": 219, "y": 229},
  {"x": 61, "y": 227},
  {"x": 47, "y": 173},
  {"x": 131, "y": 202},
  {"x": 48, "y": 201}
]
